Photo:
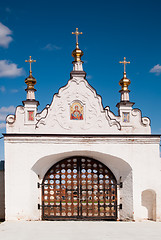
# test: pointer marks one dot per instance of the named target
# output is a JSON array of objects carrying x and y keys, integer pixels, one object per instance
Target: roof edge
[{"x": 78, "y": 135}]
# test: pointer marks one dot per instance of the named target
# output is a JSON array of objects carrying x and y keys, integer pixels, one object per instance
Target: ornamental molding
[
  {"x": 144, "y": 121},
  {"x": 57, "y": 115},
  {"x": 10, "y": 119},
  {"x": 83, "y": 140}
]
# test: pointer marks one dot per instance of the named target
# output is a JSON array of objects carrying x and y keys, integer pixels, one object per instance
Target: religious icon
[
  {"x": 76, "y": 111},
  {"x": 126, "y": 117},
  {"x": 31, "y": 115}
]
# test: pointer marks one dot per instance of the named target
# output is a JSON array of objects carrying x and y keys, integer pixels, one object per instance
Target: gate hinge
[
  {"x": 120, "y": 184},
  {"x": 119, "y": 206},
  {"x": 39, "y": 185},
  {"x": 39, "y": 206}
]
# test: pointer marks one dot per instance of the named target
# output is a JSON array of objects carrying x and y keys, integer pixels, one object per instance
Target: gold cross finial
[
  {"x": 77, "y": 34},
  {"x": 124, "y": 62},
  {"x": 30, "y": 61}
]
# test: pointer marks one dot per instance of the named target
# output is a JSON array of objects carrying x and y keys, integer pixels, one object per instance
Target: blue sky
[{"x": 111, "y": 30}]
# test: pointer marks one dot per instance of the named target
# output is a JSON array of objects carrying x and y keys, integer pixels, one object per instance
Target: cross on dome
[
  {"x": 30, "y": 81},
  {"x": 30, "y": 61},
  {"x": 124, "y": 83},
  {"x": 77, "y": 34},
  {"x": 77, "y": 53},
  {"x": 124, "y": 62}
]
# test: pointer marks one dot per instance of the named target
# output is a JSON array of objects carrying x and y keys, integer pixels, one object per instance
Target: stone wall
[{"x": 2, "y": 203}]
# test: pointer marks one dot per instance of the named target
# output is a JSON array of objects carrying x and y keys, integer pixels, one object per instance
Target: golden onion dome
[
  {"x": 30, "y": 81},
  {"x": 124, "y": 83},
  {"x": 77, "y": 54}
]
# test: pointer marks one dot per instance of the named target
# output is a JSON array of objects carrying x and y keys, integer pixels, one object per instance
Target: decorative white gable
[
  {"x": 77, "y": 109},
  {"x": 56, "y": 118}
]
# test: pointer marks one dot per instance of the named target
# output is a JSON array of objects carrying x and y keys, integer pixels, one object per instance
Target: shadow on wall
[
  {"x": 148, "y": 199},
  {"x": 118, "y": 166}
]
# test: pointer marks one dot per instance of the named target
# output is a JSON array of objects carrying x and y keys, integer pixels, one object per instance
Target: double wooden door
[{"x": 79, "y": 188}]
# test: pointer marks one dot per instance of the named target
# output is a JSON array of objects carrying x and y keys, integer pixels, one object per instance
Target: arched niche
[{"x": 148, "y": 198}]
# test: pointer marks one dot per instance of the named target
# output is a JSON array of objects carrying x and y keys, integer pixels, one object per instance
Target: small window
[
  {"x": 126, "y": 117},
  {"x": 30, "y": 115}
]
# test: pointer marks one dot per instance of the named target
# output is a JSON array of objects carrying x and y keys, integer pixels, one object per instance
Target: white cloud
[
  {"x": 5, "y": 37},
  {"x": 89, "y": 77},
  {"x": 51, "y": 47},
  {"x": 14, "y": 90},
  {"x": 2, "y": 125},
  {"x": 8, "y": 69},
  {"x": 2, "y": 117},
  {"x": 4, "y": 111},
  {"x": 2, "y": 89},
  {"x": 9, "y": 109},
  {"x": 156, "y": 69}
]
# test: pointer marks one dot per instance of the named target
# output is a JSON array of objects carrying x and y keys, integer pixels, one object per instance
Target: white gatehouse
[{"x": 77, "y": 160}]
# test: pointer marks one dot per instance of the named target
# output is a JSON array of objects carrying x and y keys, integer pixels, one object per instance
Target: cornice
[{"x": 82, "y": 139}]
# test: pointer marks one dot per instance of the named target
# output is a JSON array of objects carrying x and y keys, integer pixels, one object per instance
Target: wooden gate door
[{"x": 79, "y": 188}]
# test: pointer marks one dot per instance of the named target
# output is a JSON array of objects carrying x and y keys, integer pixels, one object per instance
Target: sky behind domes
[{"x": 111, "y": 30}]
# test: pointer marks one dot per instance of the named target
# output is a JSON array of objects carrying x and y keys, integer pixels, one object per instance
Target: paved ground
[{"x": 79, "y": 230}]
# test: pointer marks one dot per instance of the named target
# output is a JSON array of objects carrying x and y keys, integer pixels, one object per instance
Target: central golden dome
[{"x": 77, "y": 54}]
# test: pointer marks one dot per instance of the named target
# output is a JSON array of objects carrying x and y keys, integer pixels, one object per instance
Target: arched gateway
[
  {"x": 79, "y": 188},
  {"x": 76, "y": 123}
]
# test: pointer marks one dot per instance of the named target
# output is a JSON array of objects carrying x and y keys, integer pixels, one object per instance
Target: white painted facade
[
  {"x": 36, "y": 141},
  {"x": 2, "y": 198}
]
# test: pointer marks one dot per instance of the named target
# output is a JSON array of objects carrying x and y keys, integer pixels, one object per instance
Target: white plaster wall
[
  {"x": 2, "y": 199},
  {"x": 28, "y": 158},
  {"x": 126, "y": 198},
  {"x": 145, "y": 177},
  {"x": 55, "y": 118}
]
